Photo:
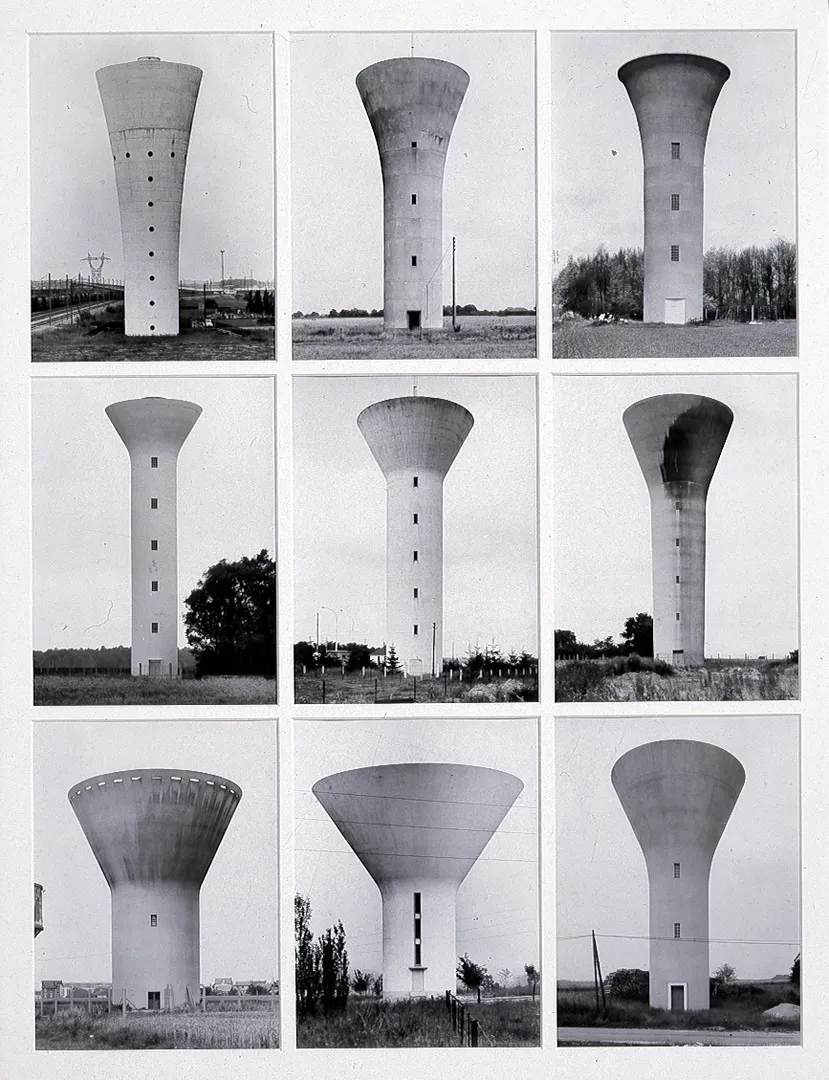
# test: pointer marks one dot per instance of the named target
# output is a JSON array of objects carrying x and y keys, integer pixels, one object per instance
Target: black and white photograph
[
  {"x": 154, "y": 578},
  {"x": 152, "y": 196},
  {"x": 678, "y": 881},
  {"x": 674, "y": 194},
  {"x": 675, "y": 537},
  {"x": 413, "y": 195},
  {"x": 415, "y": 539},
  {"x": 155, "y": 886},
  {"x": 416, "y": 870}
]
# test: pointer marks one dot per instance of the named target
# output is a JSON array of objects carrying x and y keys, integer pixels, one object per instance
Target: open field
[
  {"x": 481, "y": 337},
  {"x": 74, "y": 1030},
  {"x": 633, "y": 679},
  {"x": 76, "y": 343},
  {"x": 353, "y": 689},
  {"x": 421, "y": 1023},
  {"x": 673, "y": 1037},
  {"x": 576, "y": 339},
  {"x": 577, "y": 1009},
  {"x": 106, "y": 690}
]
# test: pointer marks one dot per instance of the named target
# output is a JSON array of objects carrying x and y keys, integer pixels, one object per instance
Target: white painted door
[{"x": 675, "y": 310}]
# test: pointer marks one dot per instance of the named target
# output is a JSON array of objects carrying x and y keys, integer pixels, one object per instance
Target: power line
[
  {"x": 414, "y": 798},
  {"x": 439, "y": 828},
  {"x": 397, "y": 855},
  {"x": 713, "y": 940}
]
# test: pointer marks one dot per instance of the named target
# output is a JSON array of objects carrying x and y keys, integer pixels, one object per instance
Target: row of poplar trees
[
  {"x": 735, "y": 283},
  {"x": 322, "y": 981}
]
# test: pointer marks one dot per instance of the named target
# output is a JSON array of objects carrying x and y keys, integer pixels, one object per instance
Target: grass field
[
  {"x": 575, "y": 339},
  {"x": 74, "y": 1030},
  {"x": 103, "y": 690},
  {"x": 633, "y": 679},
  {"x": 420, "y": 1023},
  {"x": 577, "y": 1008},
  {"x": 480, "y": 337},
  {"x": 76, "y": 343},
  {"x": 353, "y": 689}
]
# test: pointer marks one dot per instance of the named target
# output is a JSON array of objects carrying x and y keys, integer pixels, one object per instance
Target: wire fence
[{"x": 469, "y": 1029}]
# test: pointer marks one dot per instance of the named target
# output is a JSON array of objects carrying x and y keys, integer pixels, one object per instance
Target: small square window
[
  {"x": 153, "y": 920},
  {"x": 153, "y": 504},
  {"x": 415, "y": 630},
  {"x": 414, "y": 593},
  {"x": 414, "y": 260},
  {"x": 153, "y": 586},
  {"x": 414, "y": 481},
  {"x": 674, "y": 252},
  {"x": 154, "y": 628},
  {"x": 153, "y": 545},
  {"x": 414, "y": 556},
  {"x": 414, "y": 199},
  {"x": 414, "y": 519},
  {"x": 674, "y": 202},
  {"x": 414, "y": 146},
  {"x": 677, "y": 930},
  {"x": 153, "y": 462},
  {"x": 675, "y": 151},
  {"x": 676, "y": 869}
]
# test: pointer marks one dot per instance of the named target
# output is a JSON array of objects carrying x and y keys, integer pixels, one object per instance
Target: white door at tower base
[
  {"x": 415, "y": 666},
  {"x": 418, "y": 982},
  {"x": 155, "y": 668},
  {"x": 675, "y": 310}
]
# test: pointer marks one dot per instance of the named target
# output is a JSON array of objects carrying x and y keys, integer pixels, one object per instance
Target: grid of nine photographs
[{"x": 416, "y": 546}]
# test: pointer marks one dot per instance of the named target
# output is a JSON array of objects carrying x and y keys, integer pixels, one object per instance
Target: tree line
[
  {"x": 736, "y": 283},
  {"x": 377, "y": 313},
  {"x": 637, "y": 637},
  {"x": 260, "y": 302},
  {"x": 328, "y": 654}
]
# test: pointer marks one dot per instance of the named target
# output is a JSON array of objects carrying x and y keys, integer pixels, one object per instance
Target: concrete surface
[
  {"x": 678, "y": 439},
  {"x": 415, "y": 438},
  {"x": 154, "y": 427},
  {"x": 149, "y": 107},
  {"x": 678, "y": 796},
  {"x": 673, "y": 95},
  {"x": 154, "y": 833},
  {"x": 412, "y": 104},
  {"x": 418, "y": 829}
]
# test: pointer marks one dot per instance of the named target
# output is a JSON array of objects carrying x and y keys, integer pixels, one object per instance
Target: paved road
[
  {"x": 573, "y": 1036},
  {"x": 42, "y": 321}
]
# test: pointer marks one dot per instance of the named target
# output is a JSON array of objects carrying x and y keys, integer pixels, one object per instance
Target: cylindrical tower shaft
[
  {"x": 678, "y": 796},
  {"x": 154, "y": 833},
  {"x": 414, "y": 441},
  {"x": 678, "y": 439},
  {"x": 153, "y": 431},
  {"x": 673, "y": 95},
  {"x": 418, "y": 830},
  {"x": 412, "y": 103},
  {"x": 149, "y": 107}
]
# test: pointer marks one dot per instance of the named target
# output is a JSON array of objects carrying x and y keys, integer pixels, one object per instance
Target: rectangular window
[
  {"x": 676, "y": 869},
  {"x": 153, "y": 920},
  {"x": 414, "y": 519},
  {"x": 674, "y": 252},
  {"x": 154, "y": 628},
  {"x": 677, "y": 541},
  {"x": 153, "y": 586},
  {"x": 414, "y": 593},
  {"x": 674, "y": 202},
  {"x": 415, "y": 630},
  {"x": 677, "y": 616},
  {"x": 675, "y": 151},
  {"x": 153, "y": 545},
  {"x": 414, "y": 199},
  {"x": 677, "y": 930},
  {"x": 678, "y": 505},
  {"x": 677, "y": 579},
  {"x": 153, "y": 504},
  {"x": 414, "y": 481},
  {"x": 414, "y": 260},
  {"x": 414, "y": 556},
  {"x": 153, "y": 462}
]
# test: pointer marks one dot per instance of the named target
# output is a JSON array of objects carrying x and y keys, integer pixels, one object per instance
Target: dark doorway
[
  {"x": 677, "y": 997},
  {"x": 153, "y": 999},
  {"x": 414, "y": 320}
]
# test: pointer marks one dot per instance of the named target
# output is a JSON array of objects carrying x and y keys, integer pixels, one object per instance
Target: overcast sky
[
  {"x": 489, "y": 184},
  {"x": 602, "y": 882},
  {"x": 601, "y": 519},
  {"x": 81, "y": 497},
  {"x": 489, "y": 520},
  {"x": 597, "y": 156},
  {"x": 497, "y": 912},
  {"x": 228, "y": 184},
  {"x": 238, "y": 898}
]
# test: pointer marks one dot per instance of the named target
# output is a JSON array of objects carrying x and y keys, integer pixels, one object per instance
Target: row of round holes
[
  {"x": 149, "y": 154},
  {"x": 193, "y": 780}
]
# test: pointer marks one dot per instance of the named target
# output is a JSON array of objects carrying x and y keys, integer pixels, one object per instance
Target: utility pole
[
  {"x": 454, "y": 304},
  {"x": 434, "y": 636},
  {"x": 597, "y": 977},
  {"x": 223, "y": 269}
]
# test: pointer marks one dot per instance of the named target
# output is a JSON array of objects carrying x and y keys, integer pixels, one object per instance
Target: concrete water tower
[
  {"x": 414, "y": 441},
  {"x": 149, "y": 107},
  {"x": 678, "y": 439},
  {"x": 673, "y": 95},
  {"x": 154, "y": 833},
  {"x": 678, "y": 796},
  {"x": 153, "y": 430},
  {"x": 418, "y": 829},
  {"x": 412, "y": 103}
]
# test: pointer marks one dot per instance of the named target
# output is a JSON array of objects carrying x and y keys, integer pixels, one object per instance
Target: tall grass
[
  {"x": 635, "y": 679},
  {"x": 356, "y": 690},
  {"x": 479, "y": 338},
  {"x": 424, "y": 1022},
  {"x": 578, "y": 338},
  {"x": 106, "y": 690},
  {"x": 69, "y": 344},
  {"x": 75, "y": 1030}
]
